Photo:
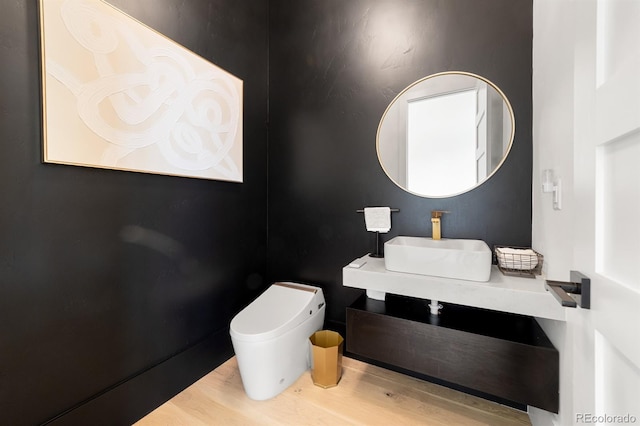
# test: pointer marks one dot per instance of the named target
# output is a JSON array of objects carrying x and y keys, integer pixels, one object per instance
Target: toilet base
[{"x": 268, "y": 368}]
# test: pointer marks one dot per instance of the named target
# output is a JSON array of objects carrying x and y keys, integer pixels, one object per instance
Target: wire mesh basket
[{"x": 518, "y": 261}]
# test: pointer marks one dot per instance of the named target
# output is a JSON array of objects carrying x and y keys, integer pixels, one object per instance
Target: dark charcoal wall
[
  {"x": 95, "y": 328},
  {"x": 334, "y": 67},
  {"x": 88, "y": 298}
]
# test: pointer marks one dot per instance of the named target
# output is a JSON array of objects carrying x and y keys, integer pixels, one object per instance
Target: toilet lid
[{"x": 279, "y": 309}]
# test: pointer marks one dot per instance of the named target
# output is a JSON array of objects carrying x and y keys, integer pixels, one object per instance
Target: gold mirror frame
[{"x": 412, "y": 86}]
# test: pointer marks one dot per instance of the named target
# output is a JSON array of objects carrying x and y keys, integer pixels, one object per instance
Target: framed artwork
[{"x": 119, "y": 95}]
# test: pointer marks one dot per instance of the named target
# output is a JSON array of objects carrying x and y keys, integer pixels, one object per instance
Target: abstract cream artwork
[{"x": 119, "y": 95}]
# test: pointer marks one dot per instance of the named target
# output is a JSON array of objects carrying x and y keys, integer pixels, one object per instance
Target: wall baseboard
[
  {"x": 540, "y": 417},
  {"x": 129, "y": 401}
]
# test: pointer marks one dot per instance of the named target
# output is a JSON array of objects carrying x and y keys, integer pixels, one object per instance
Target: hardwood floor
[{"x": 366, "y": 395}]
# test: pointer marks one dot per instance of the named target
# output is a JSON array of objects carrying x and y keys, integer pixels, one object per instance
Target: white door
[{"x": 607, "y": 205}]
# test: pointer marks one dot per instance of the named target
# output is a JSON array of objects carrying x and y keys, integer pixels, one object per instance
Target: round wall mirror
[{"x": 445, "y": 134}]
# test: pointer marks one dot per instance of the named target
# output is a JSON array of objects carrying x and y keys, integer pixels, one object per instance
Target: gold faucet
[{"x": 435, "y": 224}]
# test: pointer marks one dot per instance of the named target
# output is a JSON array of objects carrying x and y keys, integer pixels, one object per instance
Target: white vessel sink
[{"x": 447, "y": 258}]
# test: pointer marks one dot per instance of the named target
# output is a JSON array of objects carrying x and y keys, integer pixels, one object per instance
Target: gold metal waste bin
[{"x": 326, "y": 367}]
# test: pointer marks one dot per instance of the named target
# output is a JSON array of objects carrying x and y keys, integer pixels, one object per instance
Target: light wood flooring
[{"x": 366, "y": 395}]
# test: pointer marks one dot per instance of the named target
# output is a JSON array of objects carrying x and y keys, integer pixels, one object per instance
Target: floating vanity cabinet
[{"x": 502, "y": 354}]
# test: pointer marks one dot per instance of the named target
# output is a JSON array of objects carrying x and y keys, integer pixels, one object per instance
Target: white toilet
[{"x": 271, "y": 337}]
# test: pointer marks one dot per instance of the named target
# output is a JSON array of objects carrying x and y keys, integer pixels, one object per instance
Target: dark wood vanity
[{"x": 501, "y": 354}]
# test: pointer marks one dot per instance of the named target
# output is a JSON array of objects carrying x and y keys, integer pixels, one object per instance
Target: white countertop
[{"x": 519, "y": 295}]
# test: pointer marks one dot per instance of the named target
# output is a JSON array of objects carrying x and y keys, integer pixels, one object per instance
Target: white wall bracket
[{"x": 552, "y": 185}]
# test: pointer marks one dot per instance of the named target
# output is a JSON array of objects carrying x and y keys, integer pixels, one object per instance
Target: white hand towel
[
  {"x": 377, "y": 219},
  {"x": 512, "y": 258}
]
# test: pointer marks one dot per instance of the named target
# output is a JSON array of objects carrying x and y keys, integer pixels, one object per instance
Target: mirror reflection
[{"x": 445, "y": 134}]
